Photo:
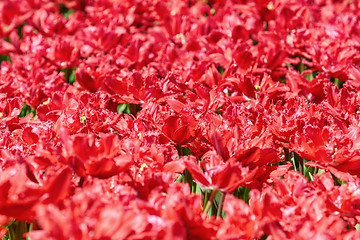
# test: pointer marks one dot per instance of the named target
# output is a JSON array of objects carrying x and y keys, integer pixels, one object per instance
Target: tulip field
[{"x": 179, "y": 119}]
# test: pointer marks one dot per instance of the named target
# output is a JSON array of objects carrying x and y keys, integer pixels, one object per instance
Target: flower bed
[{"x": 150, "y": 119}]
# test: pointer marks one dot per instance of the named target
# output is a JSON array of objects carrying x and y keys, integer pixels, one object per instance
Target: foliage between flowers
[{"x": 217, "y": 119}]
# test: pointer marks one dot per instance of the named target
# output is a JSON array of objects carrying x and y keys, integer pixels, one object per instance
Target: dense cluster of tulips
[{"x": 196, "y": 119}]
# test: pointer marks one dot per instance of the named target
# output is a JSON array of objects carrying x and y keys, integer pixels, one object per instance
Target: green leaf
[
  {"x": 337, "y": 181},
  {"x": 309, "y": 172},
  {"x": 242, "y": 193},
  {"x": 16, "y": 230},
  {"x": 123, "y": 108},
  {"x": 254, "y": 42},
  {"x": 19, "y": 30},
  {"x": 219, "y": 111},
  {"x": 69, "y": 74},
  {"x": 263, "y": 237},
  {"x": 179, "y": 179},
  {"x": 65, "y": 11},
  {"x": 198, "y": 189},
  {"x": 72, "y": 77},
  {"x": 221, "y": 70},
  {"x": 357, "y": 226},
  {"x": 337, "y": 82},
  {"x": 6, "y": 237},
  {"x": 5, "y": 58},
  {"x": 187, "y": 178},
  {"x": 185, "y": 151},
  {"x": 27, "y": 110}
]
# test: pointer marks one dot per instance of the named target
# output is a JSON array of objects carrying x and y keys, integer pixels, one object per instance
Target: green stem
[
  {"x": 23, "y": 228},
  {"x": 294, "y": 161},
  {"x": 180, "y": 150},
  {"x": 298, "y": 163},
  {"x": 211, "y": 200},
  {"x": 302, "y": 67},
  {"x": 11, "y": 231},
  {"x": 287, "y": 154},
  {"x": 30, "y": 229},
  {"x": 206, "y": 198},
  {"x": 17, "y": 229},
  {"x": 188, "y": 179},
  {"x": 67, "y": 75},
  {"x": 301, "y": 165},
  {"x": 221, "y": 203}
]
